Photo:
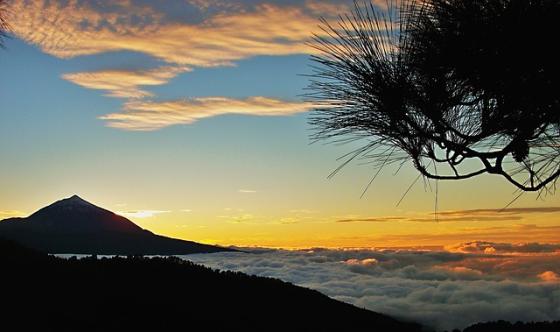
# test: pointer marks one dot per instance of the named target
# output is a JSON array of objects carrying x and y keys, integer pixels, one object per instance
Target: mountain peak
[
  {"x": 75, "y": 198},
  {"x": 76, "y": 215},
  {"x": 73, "y": 225},
  {"x": 74, "y": 201}
]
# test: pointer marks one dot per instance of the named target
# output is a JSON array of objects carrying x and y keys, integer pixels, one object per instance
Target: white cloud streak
[
  {"x": 125, "y": 83},
  {"x": 247, "y": 191},
  {"x": 510, "y": 214},
  {"x": 147, "y": 115},
  {"x": 141, "y": 213}
]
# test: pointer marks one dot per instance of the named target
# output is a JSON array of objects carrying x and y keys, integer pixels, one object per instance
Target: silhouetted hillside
[
  {"x": 503, "y": 326},
  {"x": 45, "y": 293},
  {"x": 76, "y": 226}
]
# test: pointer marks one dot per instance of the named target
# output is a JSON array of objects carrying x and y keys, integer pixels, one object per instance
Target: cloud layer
[
  {"x": 441, "y": 289},
  {"x": 73, "y": 28},
  {"x": 147, "y": 115},
  {"x": 184, "y": 35},
  {"x": 484, "y": 247},
  {"x": 125, "y": 83},
  {"x": 509, "y": 214}
]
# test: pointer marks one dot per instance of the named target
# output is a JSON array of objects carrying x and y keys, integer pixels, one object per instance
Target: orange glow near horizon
[
  {"x": 299, "y": 229},
  {"x": 327, "y": 233}
]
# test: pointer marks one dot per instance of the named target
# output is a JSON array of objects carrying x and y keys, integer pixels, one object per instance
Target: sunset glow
[{"x": 189, "y": 119}]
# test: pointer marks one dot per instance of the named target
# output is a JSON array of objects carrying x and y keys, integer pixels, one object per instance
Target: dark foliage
[
  {"x": 461, "y": 88},
  {"x": 45, "y": 293},
  {"x": 503, "y": 326}
]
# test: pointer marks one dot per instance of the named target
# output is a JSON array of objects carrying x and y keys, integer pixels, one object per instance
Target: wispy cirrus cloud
[
  {"x": 371, "y": 219},
  {"x": 510, "y": 214},
  {"x": 148, "y": 115},
  {"x": 521, "y": 210},
  {"x": 73, "y": 28},
  {"x": 125, "y": 83},
  {"x": 195, "y": 33},
  {"x": 247, "y": 191},
  {"x": 142, "y": 213},
  {"x": 215, "y": 5},
  {"x": 239, "y": 218}
]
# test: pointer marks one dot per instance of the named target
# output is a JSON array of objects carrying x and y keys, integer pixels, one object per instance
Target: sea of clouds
[{"x": 447, "y": 289}]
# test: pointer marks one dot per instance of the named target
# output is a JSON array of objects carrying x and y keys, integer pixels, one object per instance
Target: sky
[{"x": 188, "y": 117}]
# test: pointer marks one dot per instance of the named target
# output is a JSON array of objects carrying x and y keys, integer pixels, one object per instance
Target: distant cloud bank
[{"x": 442, "y": 289}]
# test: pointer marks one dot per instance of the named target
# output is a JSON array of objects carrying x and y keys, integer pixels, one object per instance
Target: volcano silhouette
[{"x": 75, "y": 226}]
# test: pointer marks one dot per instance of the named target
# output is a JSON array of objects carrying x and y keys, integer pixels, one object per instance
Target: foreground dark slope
[
  {"x": 503, "y": 326},
  {"x": 76, "y": 226},
  {"x": 139, "y": 294}
]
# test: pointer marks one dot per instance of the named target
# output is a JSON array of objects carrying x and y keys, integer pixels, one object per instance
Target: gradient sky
[{"x": 187, "y": 117}]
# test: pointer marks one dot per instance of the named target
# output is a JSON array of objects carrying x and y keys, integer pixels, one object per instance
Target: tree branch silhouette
[{"x": 445, "y": 83}]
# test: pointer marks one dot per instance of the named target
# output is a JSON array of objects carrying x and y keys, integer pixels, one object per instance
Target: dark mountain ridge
[
  {"x": 134, "y": 293},
  {"x": 75, "y": 226},
  {"x": 74, "y": 215}
]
